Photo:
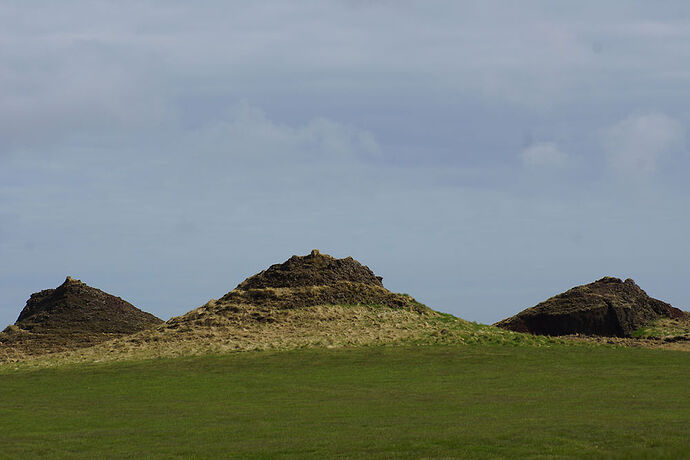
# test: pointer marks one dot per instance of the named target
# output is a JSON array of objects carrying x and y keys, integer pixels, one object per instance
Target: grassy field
[{"x": 433, "y": 401}]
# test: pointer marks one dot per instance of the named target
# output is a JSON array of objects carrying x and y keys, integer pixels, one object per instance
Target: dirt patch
[{"x": 608, "y": 307}]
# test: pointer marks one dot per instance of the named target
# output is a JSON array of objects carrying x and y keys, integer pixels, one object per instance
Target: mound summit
[
  {"x": 300, "y": 282},
  {"x": 315, "y": 269},
  {"x": 315, "y": 279},
  {"x": 73, "y": 315},
  {"x": 607, "y": 307}
]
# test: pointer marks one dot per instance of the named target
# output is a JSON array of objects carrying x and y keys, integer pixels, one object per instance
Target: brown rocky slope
[
  {"x": 74, "y": 315},
  {"x": 607, "y": 307}
]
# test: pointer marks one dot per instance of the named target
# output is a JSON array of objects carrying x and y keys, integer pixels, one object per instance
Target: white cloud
[
  {"x": 543, "y": 154},
  {"x": 112, "y": 116},
  {"x": 635, "y": 145},
  {"x": 244, "y": 133}
]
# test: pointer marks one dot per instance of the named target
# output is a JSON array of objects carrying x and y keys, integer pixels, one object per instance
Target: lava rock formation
[
  {"x": 73, "y": 315},
  {"x": 607, "y": 307}
]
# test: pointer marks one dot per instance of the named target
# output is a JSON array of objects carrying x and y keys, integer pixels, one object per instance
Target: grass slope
[
  {"x": 431, "y": 401},
  {"x": 214, "y": 329},
  {"x": 666, "y": 329}
]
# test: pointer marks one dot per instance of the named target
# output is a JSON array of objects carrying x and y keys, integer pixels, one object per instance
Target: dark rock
[
  {"x": 315, "y": 269},
  {"x": 73, "y": 315},
  {"x": 76, "y": 306},
  {"x": 607, "y": 307}
]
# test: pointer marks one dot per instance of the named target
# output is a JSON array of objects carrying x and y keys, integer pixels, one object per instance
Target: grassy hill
[
  {"x": 308, "y": 301},
  {"x": 319, "y": 326}
]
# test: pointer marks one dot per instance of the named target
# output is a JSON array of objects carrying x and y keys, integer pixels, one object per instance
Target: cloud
[
  {"x": 124, "y": 152},
  {"x": 543, "y": 155},
  {"x": 636, "y": 145},
  {"x": 245, "y": 135}
]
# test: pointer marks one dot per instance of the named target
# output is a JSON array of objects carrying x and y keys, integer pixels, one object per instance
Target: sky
[{"x": 480, "y": 156}]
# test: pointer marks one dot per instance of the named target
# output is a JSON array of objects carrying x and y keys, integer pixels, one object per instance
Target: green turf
[
  {"x": 663, "y": 328},
  {"x": 437, "y": 401}
]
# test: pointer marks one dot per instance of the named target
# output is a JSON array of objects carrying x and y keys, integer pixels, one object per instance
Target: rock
[
  {"x": 76, "y": 306},
  {"x": 73, "y": 315},
  {"x": 314, "y": 269},
  {"x": 608, "y": 307}
]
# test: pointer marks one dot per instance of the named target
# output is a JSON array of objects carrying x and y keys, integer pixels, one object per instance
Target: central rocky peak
[
  {"x": 314, "y": 269},
  {"x": 290, "y": 290}
]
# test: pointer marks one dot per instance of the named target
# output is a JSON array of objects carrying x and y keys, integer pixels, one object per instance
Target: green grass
[
  {"x": 663, "y": 328},
  {"x": 435, "y": 401}
]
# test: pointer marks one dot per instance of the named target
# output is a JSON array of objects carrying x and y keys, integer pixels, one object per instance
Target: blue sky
[{"x": 480, "y": 156}]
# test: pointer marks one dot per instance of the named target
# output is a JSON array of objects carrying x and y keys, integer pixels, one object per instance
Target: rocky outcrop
[
  {"x": 300, "y": 282},
  {"x": 315, "y": 269},
  {"x": 78, "y": 307},
  {"x": 73, "y": 315},
  {"x": 607, "y": 307}
]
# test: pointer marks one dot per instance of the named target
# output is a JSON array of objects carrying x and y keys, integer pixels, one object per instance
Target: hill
[
  {"x": 73, "y": 315},
  {"x": 312, "y": 300},
  {"x": 607, "y": 307}
]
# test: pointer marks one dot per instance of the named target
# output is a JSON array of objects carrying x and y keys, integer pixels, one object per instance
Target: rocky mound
[
  {"x": 315, "y": 269},
  {"x": 71, "y": 316},
  {"x": 300, "y": 282},
  {"x": 607, "y": 307}
]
